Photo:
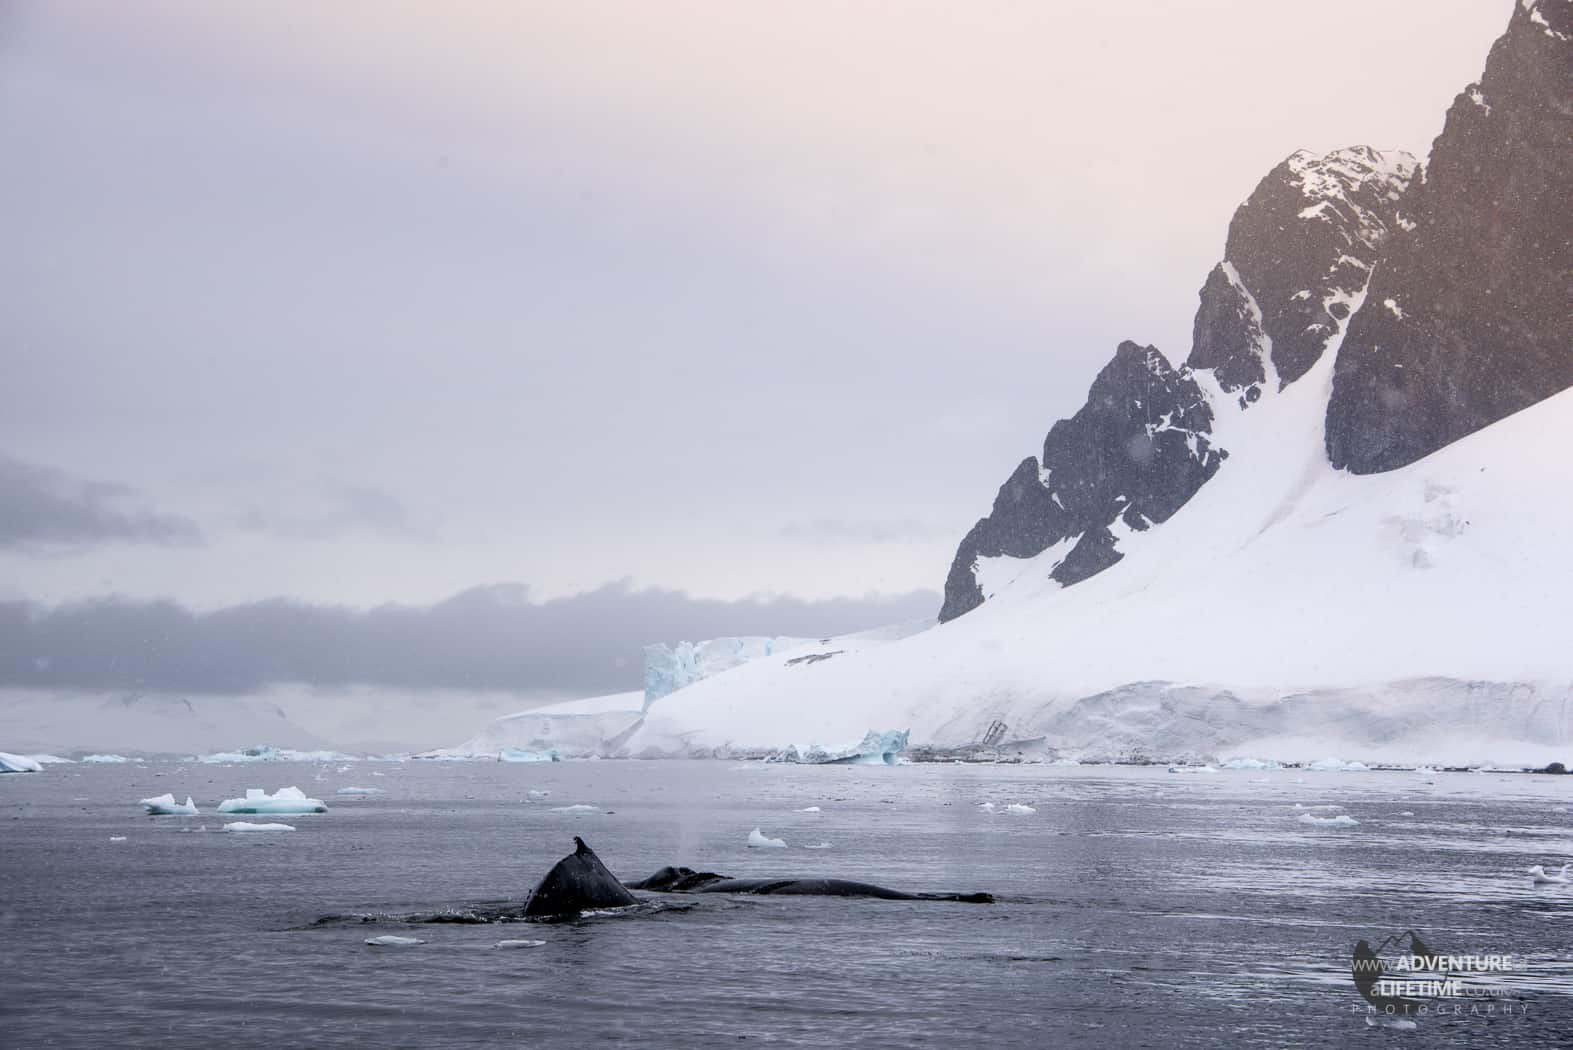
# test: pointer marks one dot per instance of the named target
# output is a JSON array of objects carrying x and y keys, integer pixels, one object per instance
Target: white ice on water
[
  {"x": 244, "y": 825},
  {"x": 809, "y": 809},
  {"x": 391, "y": 940},
  {"x": 519, "y": 944},
  {"x": 268, "y": 753},
  {"x": 10, "y": 763},
  {"x": 1018, "y": 808},
  {"x": 1542, "y": 877},
  {"x": 757, "y": 840},
  {"x": 576, "y": 808},
  {"x": 106, "y": 759},
  {"x": 875, "y": 749},
  {"x": 1341, "y": 820},
  {"x": 284, "y": 800},
  {"x": 516, "y": 754},
  {"x": 360, "y": 791},
  {"x": 167, "y": 806}
]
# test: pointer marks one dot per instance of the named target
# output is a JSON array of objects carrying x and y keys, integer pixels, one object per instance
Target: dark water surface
[{"x": 1139, "y": 908}]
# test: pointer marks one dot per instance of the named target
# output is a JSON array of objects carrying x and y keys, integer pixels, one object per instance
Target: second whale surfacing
[{"x": 580, "y": 883}]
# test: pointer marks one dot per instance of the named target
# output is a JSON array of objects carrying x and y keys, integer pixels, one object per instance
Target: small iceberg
[
  {"x": 875, "y": 749},
  {"x": 817, "y": 845},
  {"x": 360, "y": 791},
  {"x": 987, "y": 807},
  {"x": 165, "y": 805},
  {"x": 10, "y": 763},
  {"x": 267, "y": 753},
  {"x": 1541, "y": 877},
  {"x": 519, "y": 944},
  {"x": 243, "y": 825},
  {"x": 1016, "y": 807},
  {"x": 756, "y": 840},
  {"x": 538, "y": 794},
  {"x": 1192, "y": 769},
  {"x": 1338, "y": 765},
  {"x": 809, "y": 809},
  {"x": 517, "y": 754},
  {"x": 117, "y": 838},
  {"x": 284, "y": 800},
  {"x": 1252, "y": 763},
  {"x": 114, "y": 760},
  {"x": 1342, "y": 820},
  {"x": 390, "y": 940},
  {"x": 579, "y": 808}
]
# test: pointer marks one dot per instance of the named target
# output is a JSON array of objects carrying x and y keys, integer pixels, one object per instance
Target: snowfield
[{"x": 1288, "y": 611}]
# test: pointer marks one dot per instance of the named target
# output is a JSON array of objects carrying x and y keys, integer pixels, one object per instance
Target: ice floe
[
  {"x": 10, "y": 763},
  {"x": 1251, "y": 763},
  {"x": 106, "y": 759},
  {"x": 1018, "y": 808},
  {"x": 1338, "y": 765},
  {"x": 1542, "y": 877},
  {"x": 1192, "y": 769},
  {"x": 245, "y": 825},
  {"x": 519, "y": 944},
  {"x": 267, "y": 753},
  {"x": 284, "y": 800},
  {"x": 360, "y": 791},
  {"x": 576, "y": 808},
  {"x": 809, "y": 809},
  {"x": 166, "y": 805},
  {"x": 1341, "y": 820},
  {"x": 391, "y": 940},
  {"x": 757, "y": 840},
  {"x": 117, "y": 838}
]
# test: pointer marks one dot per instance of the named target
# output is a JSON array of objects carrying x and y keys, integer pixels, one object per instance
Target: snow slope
[{"x": 1281, "y": 577}]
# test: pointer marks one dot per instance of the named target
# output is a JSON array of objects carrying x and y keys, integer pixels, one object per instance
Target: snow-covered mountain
[{"x": 1187, "y": 569}]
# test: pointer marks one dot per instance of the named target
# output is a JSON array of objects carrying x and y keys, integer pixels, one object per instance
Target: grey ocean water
[{"x": 1138, "y": 908}]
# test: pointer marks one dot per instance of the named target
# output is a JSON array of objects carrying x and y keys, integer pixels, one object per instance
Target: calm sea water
[{"x": 1138, "y": 908}]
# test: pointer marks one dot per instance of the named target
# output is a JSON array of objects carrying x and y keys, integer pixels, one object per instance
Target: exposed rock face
[
  {"x": 1299, "y": 252},
  {"x": 1469, "y": 317},
  {"x": 1135, "y": 452}
]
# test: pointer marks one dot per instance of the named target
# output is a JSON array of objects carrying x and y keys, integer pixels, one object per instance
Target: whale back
[{"x": 579, "y": 882}]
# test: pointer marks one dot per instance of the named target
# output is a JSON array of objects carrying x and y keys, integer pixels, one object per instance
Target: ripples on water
[{"x": 1139, "y": 908}]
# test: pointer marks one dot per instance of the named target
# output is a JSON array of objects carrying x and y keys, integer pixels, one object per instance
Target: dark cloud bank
[
  {"x": 44, "y": 507},
  {"x": 485, "y": 638}
]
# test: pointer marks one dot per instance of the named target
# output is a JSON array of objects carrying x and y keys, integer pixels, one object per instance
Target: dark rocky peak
[
  {"x": 1135, "y": 452},
  {"x": 1299, "y": 252},
  {"x": 1469, "y": 317}
]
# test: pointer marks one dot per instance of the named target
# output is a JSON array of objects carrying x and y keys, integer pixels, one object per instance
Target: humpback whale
[{"x": 578, "y": 882}]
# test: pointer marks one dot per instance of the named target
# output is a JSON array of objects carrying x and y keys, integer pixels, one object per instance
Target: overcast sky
[{"x": 366, "y": 303}]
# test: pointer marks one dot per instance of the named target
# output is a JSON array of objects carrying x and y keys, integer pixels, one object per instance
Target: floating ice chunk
[
  {"x": 1323, "y": 807},
  {"x": 360, "y": 791},
  {"x": 166, "y": 805},
  {"x": 1017, "y": 807},
  {"x": 243, "y": 825},
  {"x": 10, "y": 763},
  {"x": 1251, "y": 763},
  {"x": 284, "y": 800},
  {"x": 516, "y": 754},
  {"x": 267, "y": 753},
  {"x": 1192, "y": 769},
  {"x": 756, "y": 840},
  {"x": 538, "y": 794},
  {"x": 106, "y": 759},
  {"x": 519, "y": 944},
  {"x": 579, "y": 808},
  {"x": 875, "y": 749},
  {"x": 1342, "y": 820},
  {"x": 117, "y": 838},
  {"x": 1540, "y": 876},
  {"x": 817, "y": 845},
  {"x": 52, "y": 760},
  {"x": 1398, "y": 1024},
  {"x": 809, "y": 809},
  {"x": 1338, "y": 765},
  {"x": 987, "y": 807},
  {"x": 1406, "y": 813},
  {"x": 390, "y": 940}
]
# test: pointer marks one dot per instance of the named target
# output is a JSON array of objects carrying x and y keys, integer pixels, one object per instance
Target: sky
[{"x": 360, "y": 305}]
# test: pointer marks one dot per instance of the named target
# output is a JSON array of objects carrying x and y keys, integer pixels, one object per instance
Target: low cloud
[
  {"x": 44, "y": 508},
  {"x": 492, "y": 638}
]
